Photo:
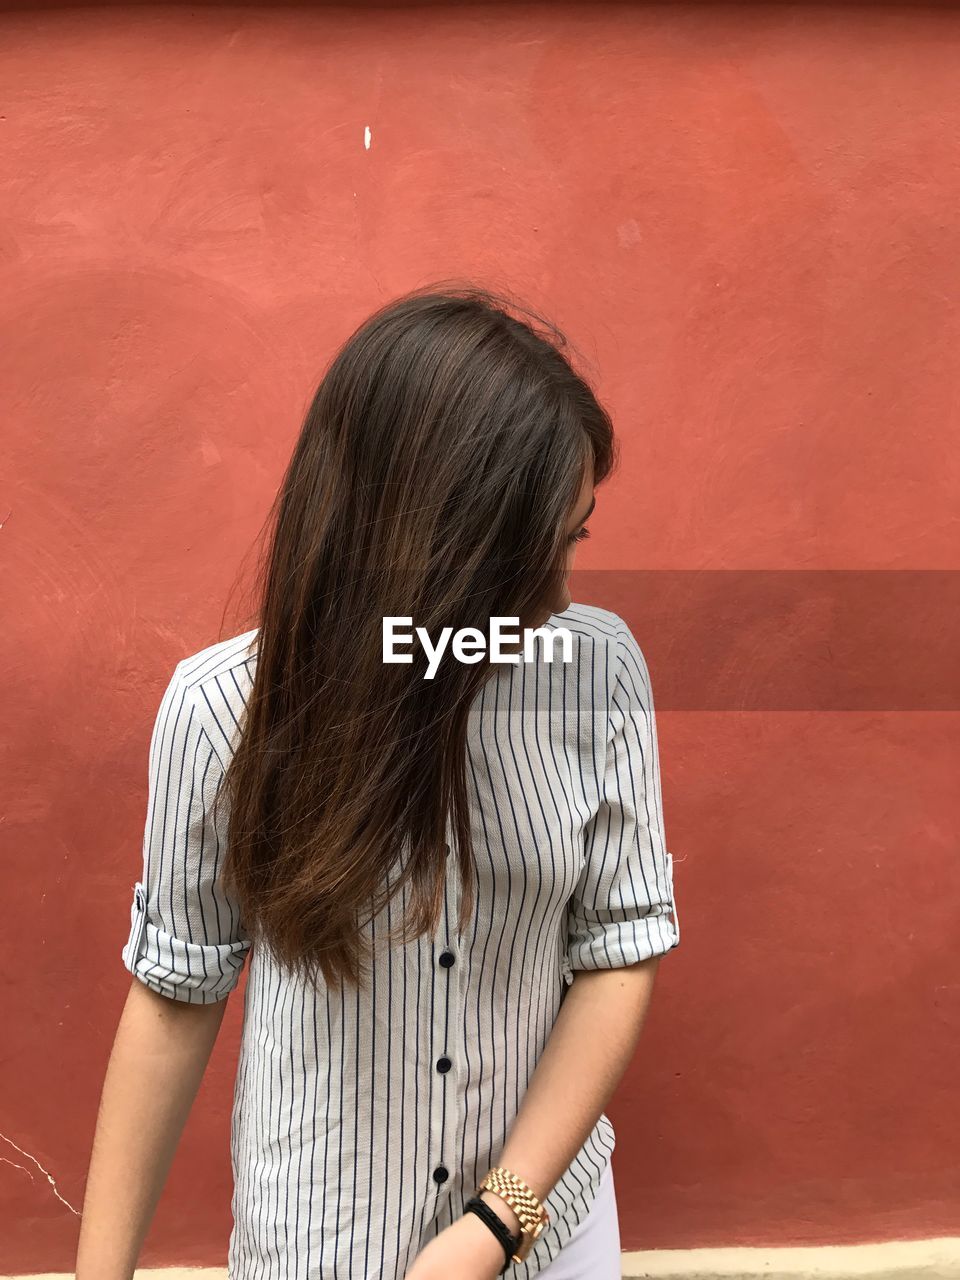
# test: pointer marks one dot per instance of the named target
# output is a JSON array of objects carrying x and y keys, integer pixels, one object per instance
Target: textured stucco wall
[{"x": 746, "y": 217}]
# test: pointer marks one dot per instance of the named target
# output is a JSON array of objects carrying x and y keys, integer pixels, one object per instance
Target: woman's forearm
[
  {"x": 159, "y": 1055},
  {"x": 588, "y": 1050}
]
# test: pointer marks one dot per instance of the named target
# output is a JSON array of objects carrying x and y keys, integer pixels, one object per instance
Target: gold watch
[{"x": 514, "y": 1191}]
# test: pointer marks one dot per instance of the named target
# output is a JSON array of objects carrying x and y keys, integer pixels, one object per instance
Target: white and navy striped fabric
[{"x": 362, "y": 1123}]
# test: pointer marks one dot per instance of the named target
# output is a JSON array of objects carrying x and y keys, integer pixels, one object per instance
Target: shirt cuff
[{"x": 191, "y": 972}]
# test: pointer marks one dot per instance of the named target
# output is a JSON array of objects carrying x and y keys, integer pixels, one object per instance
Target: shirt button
[
  {"x": 440, "y": 1174},
  {"x": 446, "y": 959},
  {"x": 444, "y": 1064}
]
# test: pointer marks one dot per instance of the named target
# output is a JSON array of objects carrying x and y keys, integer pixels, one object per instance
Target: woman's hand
[{"x": 466, "y": 1250}]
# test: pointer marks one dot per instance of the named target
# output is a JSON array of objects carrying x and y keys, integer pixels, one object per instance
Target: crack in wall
[{"x": 30, "y": 1174}]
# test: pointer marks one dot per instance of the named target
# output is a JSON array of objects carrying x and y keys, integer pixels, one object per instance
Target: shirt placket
[{"x": 446, "y": 1063}]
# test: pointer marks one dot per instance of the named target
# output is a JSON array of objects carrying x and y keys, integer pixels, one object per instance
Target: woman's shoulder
[
  {"x": 607, "y": 631},
  {"x": 216, "y": 681},
  {"x": 217, "y": 661},
  {"x": 591, "y": 621}
]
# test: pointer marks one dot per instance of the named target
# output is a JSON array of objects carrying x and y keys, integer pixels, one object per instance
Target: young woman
[{"x": 454, "y": 891}]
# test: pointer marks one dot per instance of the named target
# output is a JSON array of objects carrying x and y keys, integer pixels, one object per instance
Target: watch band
[
  {"x": 531, "y": 1214},
  {"x": 508, "y": 1240}
]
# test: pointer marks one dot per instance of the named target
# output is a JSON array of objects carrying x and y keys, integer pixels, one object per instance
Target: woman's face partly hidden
[{"x": 576, "y": 532}]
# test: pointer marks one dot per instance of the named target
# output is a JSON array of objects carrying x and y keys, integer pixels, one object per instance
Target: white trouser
[{"x": 593, "y": 1251}]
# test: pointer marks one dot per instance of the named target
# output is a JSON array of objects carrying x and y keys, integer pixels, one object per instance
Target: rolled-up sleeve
[
  {"x": 186, "y": 939},
  {"x": 623, "y": 909}
]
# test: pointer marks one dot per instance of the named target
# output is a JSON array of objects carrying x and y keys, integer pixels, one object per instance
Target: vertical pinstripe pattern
[{"x": 343, "y": 1114}]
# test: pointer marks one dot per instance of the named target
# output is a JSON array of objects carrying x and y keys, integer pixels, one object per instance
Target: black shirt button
[
  {"x": 444, "y": 1064},
  {"x": 446, "y": 959},
  {"x": 440, "y": 1174}
]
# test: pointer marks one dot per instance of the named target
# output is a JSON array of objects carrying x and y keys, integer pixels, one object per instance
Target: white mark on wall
[
  {"x": 366, "y": 136},
  {"x": 629, "y": 233},
  {"x": 11, "y": 1142},
  {"x": 209, "y": 452}
]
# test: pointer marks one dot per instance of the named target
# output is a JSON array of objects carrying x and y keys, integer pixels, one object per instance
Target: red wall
[{"x": 746, "y": 218}]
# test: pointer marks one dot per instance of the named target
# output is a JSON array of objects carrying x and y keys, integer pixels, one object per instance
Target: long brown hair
[{"x": 433, "y": 478}]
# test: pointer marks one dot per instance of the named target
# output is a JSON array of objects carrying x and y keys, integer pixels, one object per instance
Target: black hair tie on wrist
[{"x": 510, "y": 1242}]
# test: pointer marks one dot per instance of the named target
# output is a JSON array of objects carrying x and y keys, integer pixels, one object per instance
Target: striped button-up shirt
[{"x": 363, "y": 1122}]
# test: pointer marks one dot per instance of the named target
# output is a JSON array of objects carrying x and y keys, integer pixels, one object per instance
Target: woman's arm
[
  {"x": 587, "y": 1052},
  {"x": 159, "y": 1055},
  {"x": 591, "y": 1042},
  {"x": 621, "y": 921}
]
